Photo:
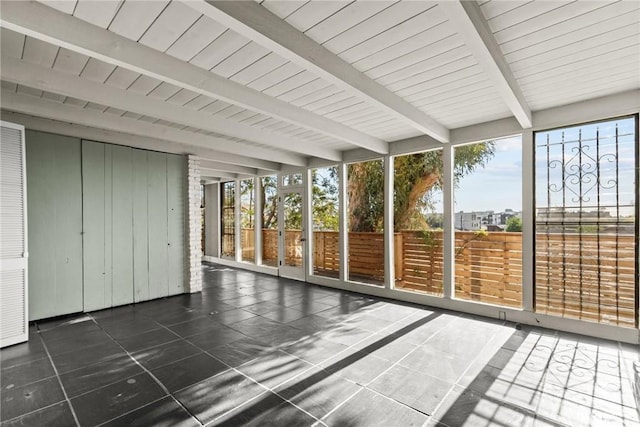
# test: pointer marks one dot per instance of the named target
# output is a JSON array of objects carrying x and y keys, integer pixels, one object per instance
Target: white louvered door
[{"x": 13, "y": 236}]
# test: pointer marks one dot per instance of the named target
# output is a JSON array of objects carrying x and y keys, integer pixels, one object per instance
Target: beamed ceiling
[{"x": 256, "y": 87}]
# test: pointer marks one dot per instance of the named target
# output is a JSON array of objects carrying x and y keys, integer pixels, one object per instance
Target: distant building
[{"x": 484, "y": 220}]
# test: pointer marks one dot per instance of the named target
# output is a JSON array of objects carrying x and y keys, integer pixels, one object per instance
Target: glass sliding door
[
  {"x": 325, "y": 207},
  {"x": 365, "y": 217},
  {"x": 269, "y": 226},
  {"x": 586, "y": 222},
  {"x": 488, "y": 222},
  {"x": 292, "y": 235},
  {"x": 247, "y": 217},
  {"x": 418, "y": 222},
  {"x": 227, "y": 220}
]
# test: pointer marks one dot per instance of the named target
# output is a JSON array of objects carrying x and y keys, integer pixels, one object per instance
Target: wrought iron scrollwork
[{"x": 581, "y": 173}]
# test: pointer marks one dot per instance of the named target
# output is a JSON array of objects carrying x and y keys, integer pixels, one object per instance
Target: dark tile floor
[{"x": 258, "y": 350}]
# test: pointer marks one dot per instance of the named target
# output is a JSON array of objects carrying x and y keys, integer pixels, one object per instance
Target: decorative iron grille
[{"x": 586, "y": 222}]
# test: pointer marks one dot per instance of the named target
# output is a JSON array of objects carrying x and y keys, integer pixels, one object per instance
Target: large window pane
[
  {"x": 227, "y": 216},
  {"x": 488, "y": 222},
  {"x": 292, "y": 204},
  {"x": 247, "y": 215},
  {"x": 586, "y": 207},
  {"x": 365, "y": 213},
  {"x": 418, "y": 216},
  {"x": 269, "y": 188},
  {"x": 325, "y": 211}
]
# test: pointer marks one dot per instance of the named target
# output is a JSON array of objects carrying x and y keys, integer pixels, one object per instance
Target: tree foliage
[
  {"x": 514, "y": 224},
  {"x": 247, "y": 203},
  {"x": 324, "y": 193},
  {"x": 269, "y": 202},
  {"x": 365, "y": 189},
  {"x": 417, "y": 176}
]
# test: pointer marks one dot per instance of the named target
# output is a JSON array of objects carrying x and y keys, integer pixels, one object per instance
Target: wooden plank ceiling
[{"x": 330, "y": 77}]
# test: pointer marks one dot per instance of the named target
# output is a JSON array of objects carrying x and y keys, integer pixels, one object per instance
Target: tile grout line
[
  {"x": 362, "y": 386},
  {"x": 267, "y": 389},
  {"x": 157, "y": 381},
  {"x": 55, "y": 369},
  {"x": 397, "y": 363},
  {"x": 32, "y": 412},
  {"x": 366, "y": 386},
  {"x": 131, "y": 411}
]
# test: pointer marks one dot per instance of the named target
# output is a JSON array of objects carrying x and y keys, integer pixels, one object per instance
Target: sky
[{"x": 497, "y": 186}]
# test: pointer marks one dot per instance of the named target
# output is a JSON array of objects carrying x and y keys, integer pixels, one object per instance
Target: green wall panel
[
  {"x": 122, "y": 225},
  {"x": 107, "y": 225},
  {"x": 176, "y": 199},
  {"x": 157, "y": 224},
  {"x": 140, "y": 227},
  {"x": 95, "y": 206},
  {"x": 54, "y": 204}
]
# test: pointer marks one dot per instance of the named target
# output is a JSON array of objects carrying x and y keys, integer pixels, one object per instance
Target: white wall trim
[
  {"x": 448, "y": 246},
  {"x": 273, "y": 271},
  {"x": 528, "y": 218}
]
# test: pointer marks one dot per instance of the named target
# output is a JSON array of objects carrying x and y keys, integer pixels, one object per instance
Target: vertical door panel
[
  {"x": 140, "y": 227},
  {"x": 108, "y": 226},
  {"x": 122, "y": 226},
  {"x": 13, "y": 239},
  {"x": 291, "y": 227},
  {"x": 157, "y": 217},
  {"x": 93, "y": 224},
  {"x": 176, "y": 180},
  {"x": 67, "y": 184},
  {"x": 54, "y": 178},
  {"x": 42, "y": 233}
]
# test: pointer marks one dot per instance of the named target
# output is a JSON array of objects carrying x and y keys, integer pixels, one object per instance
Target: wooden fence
[
  {"x": 588, "y": 276},
  {"x": 580, "y": 276}
]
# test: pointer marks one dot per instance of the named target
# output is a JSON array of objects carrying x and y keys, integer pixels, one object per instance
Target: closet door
[
  {"x": 13, "y": 243},
  {"x": 157, "y": 224},
  {"x": 176, "y": 212},
  {"x": 140, "y": 227},
  {"x": 122, "y": 225},
  {"x": 96, "y": 212},
  {"x": 134, "y": 213},
  {"x": 54, "y": 179}
]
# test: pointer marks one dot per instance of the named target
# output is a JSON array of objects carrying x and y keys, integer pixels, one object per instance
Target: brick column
[{"x": 194, "y": 247}]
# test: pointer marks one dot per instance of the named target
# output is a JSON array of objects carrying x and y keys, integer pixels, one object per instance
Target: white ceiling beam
[
  {"x": 27, "y": 104},
  {"x": 49, "y": 25},
  {"x": 30, "y": 75},
  {"x": 257, "y": 23},
  {"x": 225, "y": 167},
  {"x": 467, "y": 19},
  {"x": 129, "y": 140},
  {"x": 206, "y": 180},
  {"x": 217, "y": 174}
]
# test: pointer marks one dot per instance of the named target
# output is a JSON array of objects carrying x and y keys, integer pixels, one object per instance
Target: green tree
[
  {"x": 514, "y": 225},
  {"x": 269, "y": 202},
  {"x": 365, "y": 187},
  {"x": 324, "y": 194},
  {"x": 416, "y": 177},
  {"x": 247, "y": 203}
]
